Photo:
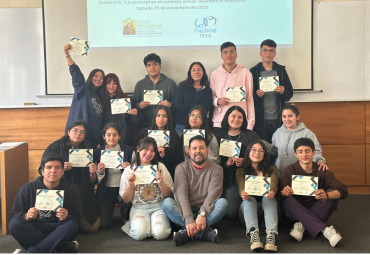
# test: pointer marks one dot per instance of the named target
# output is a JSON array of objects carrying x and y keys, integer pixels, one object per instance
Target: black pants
[
  {"x": 266, "y": 131},
  {"x": 37, "y": 236}
]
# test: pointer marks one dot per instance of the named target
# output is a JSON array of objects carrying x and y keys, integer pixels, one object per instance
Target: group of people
[{"x": 195, "y": 186}]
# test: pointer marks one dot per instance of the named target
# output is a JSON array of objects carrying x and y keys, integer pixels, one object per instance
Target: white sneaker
[
  {"x": 332, "y": 235},
  {"x": 270, "y": 241},
  {"x": 255, "y": 240},
  {"x": 297, "y": 231},
  {"x": 18, "y": 251}
]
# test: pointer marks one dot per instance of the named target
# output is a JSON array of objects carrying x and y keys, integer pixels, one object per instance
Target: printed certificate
[
  {"x": 269, "y": 83},
  {"x": 112, "y": 159},
  {"x": 190, "y": 133},
  {"x": 235, "y": 94},
  {"x": 49, "y": 200},
  {"x": 80, "y": 157},
  {"x": 304, "y": 185},
  {"x": 79, "y": 47},
  {"x": 145, "y": 174},
  {"x": 122, "y": 105},
  {"x": 257, "y": 185},
  {"x": 154, "y": 97},
  {"x": 162, "y": 137},
  {"x": 230, "y": 148}
]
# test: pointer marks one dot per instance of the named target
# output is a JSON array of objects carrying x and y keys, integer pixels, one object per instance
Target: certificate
[
  {"x": 269, "y": 83},
  {"x": 49, "y": 200},
  {"x": 154, "y": 97},
  {"x": 162, "y": 137},
  {"x": 122, "y": 105},
  {"x": 235, "y": 94},
  {"x": 80, "y": 157},
  {"x": 79, "y": 47},
  {"x": 304, "y": 185},
  {"x": 190, "y": 133},
  {"x": 230, "y": 148},
  {"x": 112, "y": 159},
  {"x": 145, "y": 174},
  {"x": 257, "y": 185}
]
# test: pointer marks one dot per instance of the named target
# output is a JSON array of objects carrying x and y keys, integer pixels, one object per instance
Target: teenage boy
[
  {"x": 154, "y": 80},
  {"x": 198, "y": 188},
  {"x": 41, "y": 231},
  {"x": 311, "y": 212},
  {"x": 230, "y": 74},
  {"x": 268, "y": 105}
]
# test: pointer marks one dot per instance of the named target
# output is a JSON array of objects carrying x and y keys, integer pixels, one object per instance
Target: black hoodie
[{"x": 26, "y": 199}]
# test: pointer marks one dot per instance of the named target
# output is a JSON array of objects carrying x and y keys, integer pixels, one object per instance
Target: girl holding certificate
[
  {"x": 109, "y": 177},
  {"x": 197, "y": 119},
  {"x": 194, "y": 91},
  {"x": 146, "y": 183},
  {"x": 287, "y": 134},
  {"x": 87, "y": 102},
  {"x": 123, "y": 120},
  {"x": 234, "y": 128},
  {"x": 81, "y": 178},
  {"x": 257, "y": 163},
  {"x": 170, "y": 155}
]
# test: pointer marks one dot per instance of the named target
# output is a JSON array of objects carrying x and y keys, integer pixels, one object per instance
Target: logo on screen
[
  {"x": 205, "y": 22},
  {"x": 129, "y": 27}
]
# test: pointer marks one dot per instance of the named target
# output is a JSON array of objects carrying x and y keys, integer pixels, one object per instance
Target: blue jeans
[
  {"x": 248, "y": 213},
  {"x": 234, "y": 200},
  {"x": 172, "y": 210},
  {"x": 179, "y": 128}
]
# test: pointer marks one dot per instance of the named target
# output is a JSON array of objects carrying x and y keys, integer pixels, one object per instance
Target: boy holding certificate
[
  {"x": 310, "y": 211},
  {"x": 45, "y": 230},
  {"x": 272, "y": 88}
]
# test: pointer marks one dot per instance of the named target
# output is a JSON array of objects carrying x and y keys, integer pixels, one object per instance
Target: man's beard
[{"x": 199, "y": 162}]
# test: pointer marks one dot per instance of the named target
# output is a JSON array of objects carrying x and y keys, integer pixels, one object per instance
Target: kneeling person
[
  {"x": 198, "y": 188},
  {"x": 40, "y": 231},
  {"x": 308, "y": 211}
]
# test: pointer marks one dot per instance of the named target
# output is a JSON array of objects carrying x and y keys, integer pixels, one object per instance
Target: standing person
[
  {"x": 194, "y": 91},
  {"x": 170, "y": 156},
  {"x": 82, "y": 179},
  {"x": 109, "y": 178},
  {"x": 155, "y": 80},
  {"x": 40, "y": 231},
  {"x": 197, "y": 204},
  {"x": 234, "y": 128},
  {"x": 287, "y": 134},
  {"x": 256, "y": 162},
  {"x": 87, "y": 102},
  {"x": 311, "y": 212},
  {"x": 197, "y": 119},
  {"x": 125, "y": 120},
  {"x": 231, "y": 74},
  {"x": 146, "y": 217},
  {"x": 268, "y": 105}
]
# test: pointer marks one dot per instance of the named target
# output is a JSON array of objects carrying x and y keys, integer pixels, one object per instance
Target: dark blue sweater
[
  {"x": 84, "y": 105},
  {"x": 186, "y": 98}
]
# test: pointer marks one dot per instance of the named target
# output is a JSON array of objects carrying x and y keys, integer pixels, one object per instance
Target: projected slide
[{"x": 142, "y": 23}]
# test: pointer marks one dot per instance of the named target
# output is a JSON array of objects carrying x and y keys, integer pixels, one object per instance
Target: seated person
[
  {"x": 198, "y": 188},
  {"x": 146, "y": 217},
  {"x": 40, "y": 231},
  {"x": 308, "y": 211},
  {"x": 256, "y": 162}
]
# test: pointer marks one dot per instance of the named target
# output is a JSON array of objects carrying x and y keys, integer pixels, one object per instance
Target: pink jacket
[{"x": 239, "y": 77}]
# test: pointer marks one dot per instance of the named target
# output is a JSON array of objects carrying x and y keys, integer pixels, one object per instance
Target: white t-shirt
[{"x": 146, "y": 193}]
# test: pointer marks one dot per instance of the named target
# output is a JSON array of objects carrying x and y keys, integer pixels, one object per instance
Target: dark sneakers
[
  {"x": 180, "y": 237},
  {"x": 210, "y": 235},
  {"x": 71, "y": 247}
]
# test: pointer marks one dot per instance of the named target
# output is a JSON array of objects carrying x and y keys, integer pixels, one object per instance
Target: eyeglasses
[
  {"x": 196, "y": 70},
  {"x": 254, "y": 150},
  {"x": 195, "y": 116},
  {"x": 270, "y": 50},
  {"x": 75, "y": 130}
]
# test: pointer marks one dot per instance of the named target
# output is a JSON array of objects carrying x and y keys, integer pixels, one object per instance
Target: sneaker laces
[
  {"x": 298, "y": 226},
  {"x": 254, "y": 235},
  {"x": 330, "y": 231},
  {"x": 271, "y": 236}
]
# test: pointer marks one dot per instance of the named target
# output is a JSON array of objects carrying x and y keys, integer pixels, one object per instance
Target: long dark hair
[
  {"x": 169, "y": 126},
  {"x": 190, "y": 82},
  {"x": 85, "y": 144},
  {"x": 208, "y": 132},
  {"x": 225, "y": 120},
  {"x": 143, "y": 144},
  {"x": 97, "y": 92},
  {"x": 263, "y": 166}
]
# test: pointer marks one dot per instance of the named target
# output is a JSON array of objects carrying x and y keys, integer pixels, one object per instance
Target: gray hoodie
[{"x": 284, "y": 141}]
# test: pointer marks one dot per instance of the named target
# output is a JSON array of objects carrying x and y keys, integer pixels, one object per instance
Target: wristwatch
[{"x": 202, "y": 213}]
